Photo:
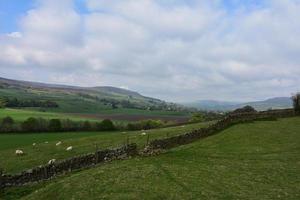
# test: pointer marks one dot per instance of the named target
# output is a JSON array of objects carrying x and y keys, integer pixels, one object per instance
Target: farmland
[
  {"x": 257, "y": 160},
  {"x": 83, "y": 142},
  {"x": 118, "y": 115}
]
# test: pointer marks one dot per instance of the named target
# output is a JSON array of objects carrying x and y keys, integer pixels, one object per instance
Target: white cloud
[{"x": 176, "y": 50}]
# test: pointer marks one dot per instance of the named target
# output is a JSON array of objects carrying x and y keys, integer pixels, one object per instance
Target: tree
[
  {"x": 30, "y": 124},
  {"x": 296, "y": 102},
  {"x": 87, "y": 126},
  {"x": 55, "y": 125},
  {"x": 7, "y": 121},
  {"x": 246, "y": 109},
  {"x": 2, "y": 103},
  {"x": 7, "y": 124},
  {"x": 106, "y": 125}
]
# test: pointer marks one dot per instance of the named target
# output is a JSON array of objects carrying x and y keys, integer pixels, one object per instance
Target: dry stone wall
[{"x": 48, "y": 171}]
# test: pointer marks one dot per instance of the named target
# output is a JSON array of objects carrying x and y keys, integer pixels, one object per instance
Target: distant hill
[
  {"x": 76, "y": 99},
  {"x": 274, "y": 103}
]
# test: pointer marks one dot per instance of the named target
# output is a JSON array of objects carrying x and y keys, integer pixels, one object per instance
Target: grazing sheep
[
  {"x": 46, "y": 142},
  {"x": 69, "y": 148},
  {"x": 51, "y": 162},
  {"x": 143, "y": 133},
  {"x": 33, "y": 144},
  {"x": 59, "y": 143},
  {"x": 19, "y": 152}
]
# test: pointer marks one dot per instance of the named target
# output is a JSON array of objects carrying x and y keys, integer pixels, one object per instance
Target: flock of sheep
[{"x": 20, "y": 152}]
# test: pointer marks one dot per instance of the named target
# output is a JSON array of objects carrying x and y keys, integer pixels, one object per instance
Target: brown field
[{"x": 135, "y": 117}]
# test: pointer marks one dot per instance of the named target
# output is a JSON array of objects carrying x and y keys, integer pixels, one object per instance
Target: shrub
[
  {"x": 296, "y": 102},
  {"x": 106, "y": 125},
  {"x": 55, "y": 125}
]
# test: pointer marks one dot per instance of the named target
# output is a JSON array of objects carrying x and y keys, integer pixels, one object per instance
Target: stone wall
[
  {"x": 217, "y": 127},
  {"x": 48, "y": 171}
]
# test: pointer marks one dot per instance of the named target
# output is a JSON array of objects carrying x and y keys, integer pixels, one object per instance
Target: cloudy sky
[{"x": 176, "y": 50}]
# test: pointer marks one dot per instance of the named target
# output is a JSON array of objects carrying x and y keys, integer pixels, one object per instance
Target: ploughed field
[
  {"x": 82, "y": 142},
  {"x": 259, "y": 160}
]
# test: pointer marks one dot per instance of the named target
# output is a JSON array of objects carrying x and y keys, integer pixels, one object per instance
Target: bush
[
  {"x": 55, "y": 125},
  {"x": 106, "y": 125},
  {"x": 296, "y": 102}
]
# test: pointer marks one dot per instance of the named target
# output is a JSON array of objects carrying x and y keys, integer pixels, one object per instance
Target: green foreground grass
[
  {"x": 258, "y": 160},
  {"x": 82, "y": 142}
]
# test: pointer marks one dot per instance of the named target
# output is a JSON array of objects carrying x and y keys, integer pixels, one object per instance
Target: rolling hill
[
  {"x": 73, "y": 99},
  {"x": 274, "y": 103}
]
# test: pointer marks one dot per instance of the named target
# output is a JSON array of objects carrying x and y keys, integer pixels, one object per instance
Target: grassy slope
[
  {"x": 82, "y": 143},
  {"x": 71, "y": 102},
  {"x": 260, "y": 160}
]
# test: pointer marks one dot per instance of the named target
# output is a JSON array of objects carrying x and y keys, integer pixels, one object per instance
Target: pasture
[
  {"x": 259, "y": 160},
  {"x": 20, "y": 115},
  {"x": 82, "y": 142}
]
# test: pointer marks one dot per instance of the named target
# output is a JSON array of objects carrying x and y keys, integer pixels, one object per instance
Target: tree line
[
  {"x": 35, "y": 125},
  {"x": 17, "y": 103}
]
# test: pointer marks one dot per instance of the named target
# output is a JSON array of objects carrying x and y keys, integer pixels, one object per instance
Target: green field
[
  {"x": 259, "y": 160},
  {"x": 82, "y": 142},
  {"x": 20, "y": 115}
]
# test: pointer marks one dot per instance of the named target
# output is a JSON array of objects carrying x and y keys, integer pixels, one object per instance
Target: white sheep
[
  {"x": 33, "y": 144},
  {"x": 59, "y": 143},
  {"x": 143, "y": 133},
  {"x": 69, "y": 148},
  {"x": 52, "y": 161},
  {"x": 19, "y": 152},
  {"x": 46, "y": 142}
]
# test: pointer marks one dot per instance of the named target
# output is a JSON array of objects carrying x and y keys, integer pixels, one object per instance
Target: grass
[
  {"x": 258, "y": 160},
  {"x": 20, "y": 115},
  {"x": 82, "y": 142}
]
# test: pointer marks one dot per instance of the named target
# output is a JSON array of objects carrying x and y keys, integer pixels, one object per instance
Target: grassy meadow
[
  {"x": 259, "y": 160},
  {"x": 82, "y": 142}
]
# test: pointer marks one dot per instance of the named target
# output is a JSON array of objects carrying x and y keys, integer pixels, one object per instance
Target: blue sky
[
  {"x": 176, "y": 50},
  {"x": 12, "y": 10}
]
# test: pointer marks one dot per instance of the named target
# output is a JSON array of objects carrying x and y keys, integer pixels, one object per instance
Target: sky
[{"x": 176, "y": 50}]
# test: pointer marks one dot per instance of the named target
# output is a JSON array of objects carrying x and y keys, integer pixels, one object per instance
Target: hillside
[
  {"x": 274, "y": 103},
  {"x": 73, "y": 99},
  {"x": 257, "y": 160}
]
